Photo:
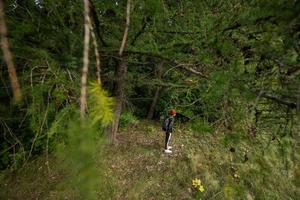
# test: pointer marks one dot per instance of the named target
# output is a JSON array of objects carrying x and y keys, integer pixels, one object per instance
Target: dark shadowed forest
[{"x": 87, "y": 85}]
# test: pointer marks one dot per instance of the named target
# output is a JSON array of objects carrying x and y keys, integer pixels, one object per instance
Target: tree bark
[
  {"x": 119, "y": 91},
  {"x": 120, "y": 74},
  {"x": 7, "y": 55},
  {"x": 85, "y": 59},
  {"x": 157, "y": 92},
  {"x": 154, "y": 102},
  {"x": 97, "y": 56},
  {"x": 97, "y": 23},
  {"x": 123, "y": 43}
]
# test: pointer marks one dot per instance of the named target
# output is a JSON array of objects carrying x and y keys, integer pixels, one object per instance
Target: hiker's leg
[
  {"x": 166, "y": 140},
  {"x": 168, "y": 137}
]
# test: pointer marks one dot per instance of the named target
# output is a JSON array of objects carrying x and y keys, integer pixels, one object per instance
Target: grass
[{"x": 137, "y": 168}]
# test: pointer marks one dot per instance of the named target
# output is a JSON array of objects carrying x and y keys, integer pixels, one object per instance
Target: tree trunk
[
  {"x": 97, "y": 56},
  {"x": 119, "y": 91},
  {"x": 85, "y": 60},
  {"x": 154, "y": 102},
  {"x": 96, "y": 23},
  {"x": 157, "y": 92},
  {"x": 120, "y": 75},
  {"x": 7, "y": 55}
]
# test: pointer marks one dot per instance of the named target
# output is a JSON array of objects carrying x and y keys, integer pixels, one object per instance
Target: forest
[{"x": 86, "y": 86}]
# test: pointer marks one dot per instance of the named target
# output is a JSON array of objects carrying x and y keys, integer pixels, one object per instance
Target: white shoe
[
  {"x": 168, "y": 151},
  {"x": 169, "y": 147}
]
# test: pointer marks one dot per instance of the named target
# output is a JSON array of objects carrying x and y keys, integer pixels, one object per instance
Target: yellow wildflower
[
  {"x": 201, "y": 188},
  {"x": 196, "y": 182}
]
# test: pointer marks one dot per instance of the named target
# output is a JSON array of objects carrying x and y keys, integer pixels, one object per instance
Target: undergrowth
[{"x": 137, "y": 168}]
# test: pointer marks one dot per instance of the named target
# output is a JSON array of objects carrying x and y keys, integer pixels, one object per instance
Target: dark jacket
[{"x": 170, "y": 122}]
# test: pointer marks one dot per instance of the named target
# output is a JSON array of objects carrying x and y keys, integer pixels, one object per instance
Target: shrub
[
  {"x": 127, "y": 118},
  {"x": 201, "y": 126}
]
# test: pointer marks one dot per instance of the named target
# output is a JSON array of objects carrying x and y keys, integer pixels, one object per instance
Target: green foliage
[
  {"x": 246, "y": 58},
  {"x": 84, "y": 141},
  {"x": 201, "y": 126},
  {"x": 78, "y": 156},
  {"x": 127, "y": 118},
  {"x": 56, "y": 133},
  {"x": 101, "y": 105},
  {"x": 219, "y": 86}
]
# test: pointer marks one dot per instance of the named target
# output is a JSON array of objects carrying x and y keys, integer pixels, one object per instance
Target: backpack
[{"x": 165, "y": 124}]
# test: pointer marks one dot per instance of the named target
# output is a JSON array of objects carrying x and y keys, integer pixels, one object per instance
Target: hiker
[{"x": 168, "y": 128}]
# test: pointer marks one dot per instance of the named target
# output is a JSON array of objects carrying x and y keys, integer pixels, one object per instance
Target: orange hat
[{"x": 172, "y": 112}]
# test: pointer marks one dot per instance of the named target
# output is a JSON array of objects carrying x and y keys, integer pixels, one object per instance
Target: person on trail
[{"x": 168, "y": 128}]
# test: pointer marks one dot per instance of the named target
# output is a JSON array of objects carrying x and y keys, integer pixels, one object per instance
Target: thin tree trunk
[
  {"x": 97, "y": 24},
  {"x": 7, "y": 55},
  {"x": 154, "y": 102},
  {"x": 157, "y": 92},
  {"x": 119, "y": 93},
  {"x": 98, "y": 64},
  {"x": 123, "y": 43},
  {"x": 120, "y": 75},
  {"x": 85, "y": 60}
]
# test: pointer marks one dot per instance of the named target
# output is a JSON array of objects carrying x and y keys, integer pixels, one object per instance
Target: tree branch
[
  {"x": 97, "y": 23},
  {"x": 178, "y": 32},
  {"x": 126, "y": 28},
  {"x": 276, "y": 99},
  {"x": 185, "y": 66},
  {"x": 188, "y": 68},
  {"x": 98, "y": 64},
  {"x": 280, "y": 101},
  {"x": 145, "y": 22}
]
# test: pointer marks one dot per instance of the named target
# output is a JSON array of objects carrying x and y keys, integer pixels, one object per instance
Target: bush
[
  {"x": 201, "y": 126},
  {"x": 127, "y": 118}
]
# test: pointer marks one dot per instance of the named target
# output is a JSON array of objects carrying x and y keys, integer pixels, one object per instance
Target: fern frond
[{"x": 100, "y": 105}]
